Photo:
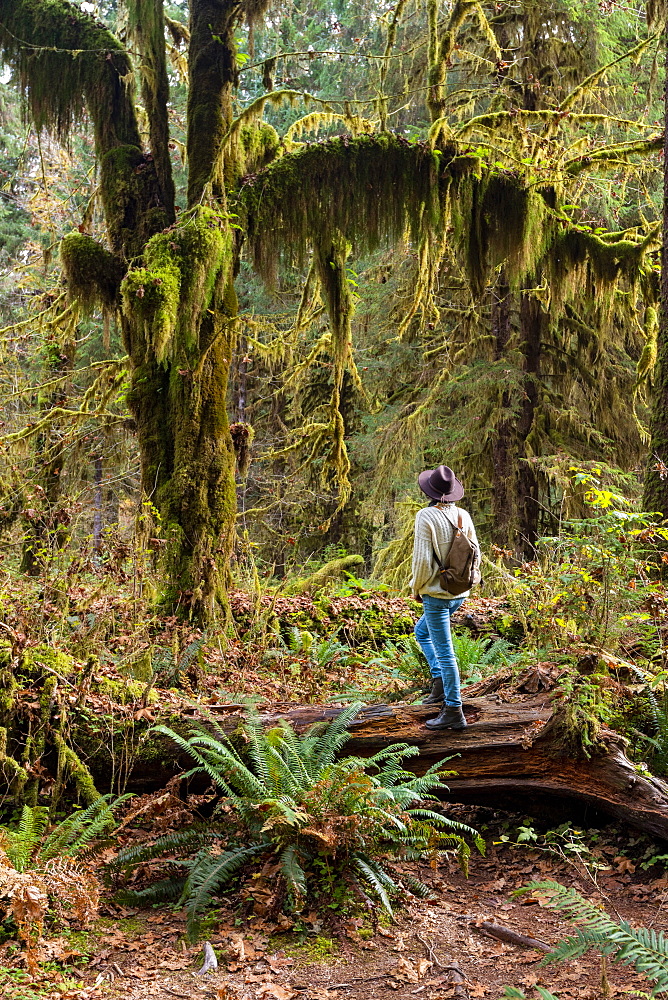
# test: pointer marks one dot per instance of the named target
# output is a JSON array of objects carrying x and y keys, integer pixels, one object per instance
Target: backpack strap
[{"x": 458, "y": 528}]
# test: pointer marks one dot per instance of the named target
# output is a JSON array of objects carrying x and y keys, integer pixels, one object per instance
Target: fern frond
[
  {"x": 646, "y": 950},
  {"x": 292, "y": 871},
  {"x": 378, "y": 881},
  {"x": 167, "y": 890},
  {"x": 183, "y": 842},
  {"x": 24, "y": 840},
  {"x": 208, "y": 873},
  {"x": 81, "y": 828}
]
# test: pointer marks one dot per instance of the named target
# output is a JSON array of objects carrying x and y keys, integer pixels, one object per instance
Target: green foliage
[
  {"x": 646, "y": 950},
  {"x": 27, "y": 847},
  {"x": 403, "y": 661},
  {"x": 477, "y": 658},
  {"x": 589, "y": 581},
  {"x": 38, "y": 870},
  {"x": 324, "y": 824}
]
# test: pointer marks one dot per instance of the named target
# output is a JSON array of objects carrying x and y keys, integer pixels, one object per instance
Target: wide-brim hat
[{"x": 441, "y": 484}]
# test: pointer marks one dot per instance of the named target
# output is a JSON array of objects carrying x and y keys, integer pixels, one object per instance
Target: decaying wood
[
  {"x": 507, "y": 751},
  {"x": 502, "y": 933}
]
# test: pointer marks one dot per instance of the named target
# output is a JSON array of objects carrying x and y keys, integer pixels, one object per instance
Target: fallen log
[{"x": 508, "y": 750}]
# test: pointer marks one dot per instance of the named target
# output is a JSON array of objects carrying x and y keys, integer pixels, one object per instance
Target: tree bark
[
  {"x": 655, "y": 497},
  {"x": 504, "y": 495}
]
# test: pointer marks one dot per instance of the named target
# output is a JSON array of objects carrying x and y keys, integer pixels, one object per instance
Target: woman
[{"x": 435, "y": 528}]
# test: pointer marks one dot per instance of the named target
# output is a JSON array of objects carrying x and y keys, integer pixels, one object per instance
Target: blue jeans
[{"x": 432, "y": 631}]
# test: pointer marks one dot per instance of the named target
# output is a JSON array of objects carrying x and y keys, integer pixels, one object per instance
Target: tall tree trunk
[
  {"x": 504, "y": 496},
  {"x": 655, "y": 496},
  {"x": 515, "y": 495},
  {"x": 531, "y": 331}
]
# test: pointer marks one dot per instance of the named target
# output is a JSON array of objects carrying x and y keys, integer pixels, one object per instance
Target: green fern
[
  {"x": 326, "y": 822},
  {"x": 27, "y": 847},
  {"x": 477, "y": 658},
  {"x": 646, "y": 950}
]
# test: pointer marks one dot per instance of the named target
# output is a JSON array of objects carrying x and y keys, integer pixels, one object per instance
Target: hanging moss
[
  {"x": 93, "y": 273},
  {"x": 579, "y": 262},
  {"x": 369, "y": 189},
  {"x": 255, "y": 146},
  {"x": 67, "y": 62},
  {"x": 502, "y": 221},
  {"x": 69, "y": 58},
  {"x": 146, "y": 27}
]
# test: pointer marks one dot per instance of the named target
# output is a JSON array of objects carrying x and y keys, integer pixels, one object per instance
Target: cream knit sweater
[{"x": 434, "y": 529}]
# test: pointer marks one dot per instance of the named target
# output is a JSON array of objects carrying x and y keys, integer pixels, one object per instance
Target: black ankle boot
[
  {"x": 449, "y": 718},
  {"x": 435, "y": 697}
]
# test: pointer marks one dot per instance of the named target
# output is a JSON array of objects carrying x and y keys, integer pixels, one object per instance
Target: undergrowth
[{"x": 296, "y": 818}]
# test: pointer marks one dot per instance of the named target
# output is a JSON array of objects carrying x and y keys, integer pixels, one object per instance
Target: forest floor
[{"x": 143, "y": 954}]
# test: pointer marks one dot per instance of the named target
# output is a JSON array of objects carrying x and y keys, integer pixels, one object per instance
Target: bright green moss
[
  {"x": 34, "y": 661},
  {"x": 93, "y": 273},
  {"x": 124, "y": 692}
]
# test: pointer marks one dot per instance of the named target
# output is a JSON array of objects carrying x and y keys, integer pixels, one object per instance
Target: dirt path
[{"x": 140, "y": 955}]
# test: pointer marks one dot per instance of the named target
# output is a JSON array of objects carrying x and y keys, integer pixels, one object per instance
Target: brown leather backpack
[{"x": 462, "y": 565}]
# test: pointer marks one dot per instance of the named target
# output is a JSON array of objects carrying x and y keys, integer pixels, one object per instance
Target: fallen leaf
[{"x": 276, "y": 991}]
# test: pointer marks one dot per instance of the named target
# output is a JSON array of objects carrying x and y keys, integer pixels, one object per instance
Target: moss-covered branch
[{"x": 369, "y": 189}]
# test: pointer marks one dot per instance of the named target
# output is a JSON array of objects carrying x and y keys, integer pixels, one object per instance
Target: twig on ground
[
  {"x": 458, "y": 979},
  {"x": 429, "y": 948}
]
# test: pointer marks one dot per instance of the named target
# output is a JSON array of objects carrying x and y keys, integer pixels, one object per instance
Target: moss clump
[
  {"x": 10, "y": 769},
  {"x": 124, "y": 692},
  {"x": 93, "y": 273},
  {"x": 332, "y": 570},
  {"x": 36, "y": 659},
  {"x": 138, "y": 667},
  {"x": 175, "y": 286},
  {"x": 152, "y": 295},
  {"x": 71, "y": 765}
]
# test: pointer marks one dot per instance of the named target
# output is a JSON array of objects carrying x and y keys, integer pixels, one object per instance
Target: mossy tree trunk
[
  {"x": 46, "y": 519},
  {"x": 515, "y": 486},
  {"x": 504, "y": 498},
  {"x": 655, "y": 496},
  {"x": 532, "y": 321},
  {"x": 173, "y": 287}
]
